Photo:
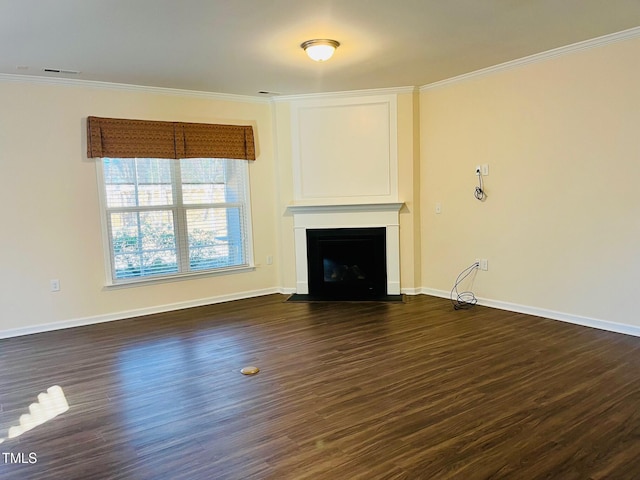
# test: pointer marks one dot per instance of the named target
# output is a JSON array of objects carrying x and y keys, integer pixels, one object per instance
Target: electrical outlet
[
  {"x": 478, "y": 170},
  {"x": 269, "y": 260},
  {"x": 54, "y": 285},
  {"x": 485, "y": 169},
  {"x": 438, "y": 207}
]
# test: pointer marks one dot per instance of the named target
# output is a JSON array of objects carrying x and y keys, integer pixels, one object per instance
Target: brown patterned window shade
[
  {"x": 203, "y": 140},
  {"x": 121, "y": 138}
]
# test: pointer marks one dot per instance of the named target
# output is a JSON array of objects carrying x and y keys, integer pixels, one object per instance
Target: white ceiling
[{"x": 247, "y": 46}]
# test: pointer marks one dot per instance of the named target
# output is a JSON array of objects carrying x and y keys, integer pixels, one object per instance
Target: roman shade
[{"x": 122, "y": 138}]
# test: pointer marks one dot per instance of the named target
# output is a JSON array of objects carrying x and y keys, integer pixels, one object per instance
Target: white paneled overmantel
[
  {"x": 357, "y": 215},
  {"x": 345, "y": 149}
]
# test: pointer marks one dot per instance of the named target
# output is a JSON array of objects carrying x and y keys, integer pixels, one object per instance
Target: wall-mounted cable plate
[
  {"x": 483, "y": 264},
  {"x": 482, "y": 169}
]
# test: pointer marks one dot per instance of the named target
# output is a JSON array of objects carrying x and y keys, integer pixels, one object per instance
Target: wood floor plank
[{"x": 410, "y": 390}]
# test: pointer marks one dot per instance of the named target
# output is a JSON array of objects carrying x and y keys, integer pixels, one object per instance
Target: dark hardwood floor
[{"x": 346, "y": 391}]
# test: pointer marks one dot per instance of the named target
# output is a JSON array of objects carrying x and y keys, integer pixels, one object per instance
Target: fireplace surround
[{"x": 347, "y": 217}]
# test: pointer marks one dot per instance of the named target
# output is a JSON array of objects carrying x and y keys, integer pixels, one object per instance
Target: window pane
[
  {"x": 203, "y": 180},
  {"x": 120, "y": 181},
  {"x": 154, "y": 181},
  {"x": 215, "y": 237},
  {"x": 143, "y": 243},
  {"x": 131, "y": 182}
]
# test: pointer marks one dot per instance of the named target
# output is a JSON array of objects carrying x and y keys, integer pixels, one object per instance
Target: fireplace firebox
[{"x": 347, "y": 263}]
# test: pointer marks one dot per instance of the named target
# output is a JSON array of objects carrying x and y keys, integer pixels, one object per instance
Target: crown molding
[
  {"x": 539, "y": 57},
  {"x": 344, "y": 94},
  {"x": 72, "y": 82}
]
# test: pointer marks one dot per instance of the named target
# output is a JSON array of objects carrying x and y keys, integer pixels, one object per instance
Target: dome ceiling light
[{"x": 320, "y": 50}]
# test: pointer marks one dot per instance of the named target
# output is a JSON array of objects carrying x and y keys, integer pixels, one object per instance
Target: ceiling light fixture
[{"x": 320, "y": 49}]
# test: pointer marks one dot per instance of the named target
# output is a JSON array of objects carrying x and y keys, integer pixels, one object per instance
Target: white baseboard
[
  {"x": 411, "y": 291},
  {"x": 551, "y": 314},
  {"x": 78, "y": 322},
  {"x": 512, "y": 307}
]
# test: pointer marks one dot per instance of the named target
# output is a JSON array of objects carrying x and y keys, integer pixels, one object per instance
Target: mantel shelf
[{"x": 352, "y": 207}]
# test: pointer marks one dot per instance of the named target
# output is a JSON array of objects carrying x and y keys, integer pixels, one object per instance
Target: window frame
[{"x": 178, "y": 210}]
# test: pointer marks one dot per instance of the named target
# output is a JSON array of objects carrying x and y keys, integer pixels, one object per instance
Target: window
[{"x": 166, "y": 217}]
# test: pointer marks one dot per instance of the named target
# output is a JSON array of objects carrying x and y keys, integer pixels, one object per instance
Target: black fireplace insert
[{"x": 347, "y": 263}]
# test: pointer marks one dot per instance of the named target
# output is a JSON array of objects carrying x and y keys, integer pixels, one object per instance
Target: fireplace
[
  {"x": 347, "y": 263},
  {"x": 344, "y": 218}
]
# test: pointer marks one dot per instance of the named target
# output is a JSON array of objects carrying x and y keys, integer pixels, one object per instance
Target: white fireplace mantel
[
  {"x": 359, "y": 215},
  {"x": 342, "y": 208}
]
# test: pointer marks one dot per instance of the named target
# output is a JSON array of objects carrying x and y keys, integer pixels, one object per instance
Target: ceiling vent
[{"x": 60, "y": 70}]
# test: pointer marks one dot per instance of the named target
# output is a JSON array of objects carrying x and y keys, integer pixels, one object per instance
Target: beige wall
[
  {"x": 282, "y": 126},
  {"x": 51, "y": 218},
  {"x": 409, "y": 191},
  {"x": 561, "y": 224}
]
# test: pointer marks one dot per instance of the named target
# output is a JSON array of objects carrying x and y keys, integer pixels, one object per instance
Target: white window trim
[{"x": 141, "y": 281}]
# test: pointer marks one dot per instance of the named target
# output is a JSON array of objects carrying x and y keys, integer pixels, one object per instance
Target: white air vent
[{"x": 60, "y": 70}]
